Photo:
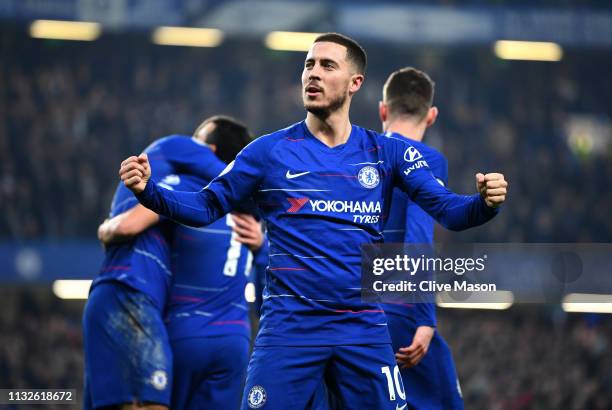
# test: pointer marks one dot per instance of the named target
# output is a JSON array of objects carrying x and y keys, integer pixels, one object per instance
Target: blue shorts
[
  {"x": 290, "y": 377},
  {"x": 432, "y": 384},
  {"x": 209, "y": 372},
  {"x": 127, "y": 353}
]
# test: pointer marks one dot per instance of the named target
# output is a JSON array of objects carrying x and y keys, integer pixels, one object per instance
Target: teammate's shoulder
[
  {"x": 172, "y": 138},
  {"x": 179, "y": 140},
  {"x": 167, "y": 141},
  {"x": 183, "y": 182}
]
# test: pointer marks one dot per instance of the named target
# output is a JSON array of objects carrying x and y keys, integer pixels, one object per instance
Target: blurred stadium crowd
[
  {"x": 71, "y": 112},
  {"x": 513, "y": 360},
  {"x": 41, "y": 342}
]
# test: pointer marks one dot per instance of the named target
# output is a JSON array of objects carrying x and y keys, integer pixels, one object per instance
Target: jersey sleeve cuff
[
  {"x": 147, "y": 191},
  {"x": 487, "y": 210}
]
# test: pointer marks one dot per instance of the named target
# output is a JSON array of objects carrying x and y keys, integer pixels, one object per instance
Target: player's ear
[
  {"x": 356, "y": 81},
  {"x": 213, "y": 147},
  {"x": 432, "y": 114},
  {"x": 382, "y": 111}
]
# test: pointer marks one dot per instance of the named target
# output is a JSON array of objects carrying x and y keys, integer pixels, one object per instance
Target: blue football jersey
[
  {"x": 210, "y": 270},
  {"x": 409, "y": 223},
  {"x": 143, "y": 262},
  {"x": 320, "y": 205}
]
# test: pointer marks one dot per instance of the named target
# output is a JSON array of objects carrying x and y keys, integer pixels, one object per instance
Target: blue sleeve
[
  {"x": 419, "y": 225},
  {"x": 263, "y": 254},
  {"x": 420, "y": 229},
  {"x": 453, "y": 211},
  {"x": 424, "y": 314},
  {"x": 188, "y": 156},
  {"x": 235, "y": 184}
]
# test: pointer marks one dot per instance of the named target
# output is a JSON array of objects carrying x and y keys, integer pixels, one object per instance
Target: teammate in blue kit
[
  {"x": 128, "y": 362},
  {"x": 323, "y": 186},
  {"x": 425, "y": 360},
  {"x": 207, "y": 315}
]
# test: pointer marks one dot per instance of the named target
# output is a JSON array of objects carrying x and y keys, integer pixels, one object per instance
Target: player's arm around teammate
[
  {"x": 126, "y": 225},
  {"x": 130, "y": 223},
  {"x": 248, "y": 230}
]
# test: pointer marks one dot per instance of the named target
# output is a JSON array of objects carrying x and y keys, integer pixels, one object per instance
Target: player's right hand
[
  {"x": 493, "y": 188},
  {"x": 410, "y": 356},
  {"x": 248, "y": 231},
  {"x": 135, "y": 173}
]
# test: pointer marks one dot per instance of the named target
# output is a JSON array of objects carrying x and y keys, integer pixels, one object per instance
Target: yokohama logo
[
  {"x": 296, "y": 204},
  {"x": 361, "y": 207},
  {"x": 319, "y": 205}
]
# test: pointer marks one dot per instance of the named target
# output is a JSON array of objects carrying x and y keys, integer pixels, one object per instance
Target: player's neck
[
  {"x": 408, "y": 129},
  {"x": 333, "y": 130}
]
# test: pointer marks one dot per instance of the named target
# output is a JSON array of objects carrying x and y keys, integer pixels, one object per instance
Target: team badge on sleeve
[
  {"x": 159, "y": 379},
  {"x": 368, "y": 177},
  {"x": 257, "y": 397}
]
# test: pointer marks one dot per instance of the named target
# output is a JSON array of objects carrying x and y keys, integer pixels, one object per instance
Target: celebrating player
[
  {"x": 323, "y": 186},
  {"x": 426, "y": 362},
  {"x": 127, "y": 354}
]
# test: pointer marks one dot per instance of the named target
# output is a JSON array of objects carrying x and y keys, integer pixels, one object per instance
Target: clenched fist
[
  {"x": 492, "y": 187},
  {"x": 135, "y": 172}
]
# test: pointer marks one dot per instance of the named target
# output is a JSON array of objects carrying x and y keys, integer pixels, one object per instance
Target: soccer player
[
  {"x": 322, "y": 186},
  {"x": 426, "y": 362},
  {"x": 207, "y": 315},
  {"x": 127, "y": 355}
]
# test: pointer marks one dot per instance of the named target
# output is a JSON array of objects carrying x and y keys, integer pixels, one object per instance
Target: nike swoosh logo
[
  {"x": 289, "y": 175},
  {"x": 400, "y": 408}
]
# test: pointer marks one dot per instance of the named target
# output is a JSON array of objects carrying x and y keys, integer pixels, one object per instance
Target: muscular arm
[
  {"x": 453, "y": 211},
  {"x": 234, "y": 185},
  {"x": 189, "y": 208},
  {"x": 126, "y": 225}
]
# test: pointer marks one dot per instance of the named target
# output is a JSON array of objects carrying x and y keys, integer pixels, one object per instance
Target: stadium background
[{"x": 70, "y": 111}]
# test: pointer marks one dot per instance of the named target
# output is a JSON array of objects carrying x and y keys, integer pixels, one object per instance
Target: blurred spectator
[
  {"x": 40, "y": 342},
  {"x": 70, "y": 112},
  {"x": 523, "y": 358}
]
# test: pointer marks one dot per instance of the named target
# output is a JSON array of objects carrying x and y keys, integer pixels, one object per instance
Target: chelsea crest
[{"x": 368, "y": 177}]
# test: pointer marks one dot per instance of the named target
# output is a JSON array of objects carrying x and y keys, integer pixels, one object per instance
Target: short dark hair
[
  {"x": 409, "y": 91},
  {"x": 229, "y": 136},
  {"x": 354, "y": 52}
]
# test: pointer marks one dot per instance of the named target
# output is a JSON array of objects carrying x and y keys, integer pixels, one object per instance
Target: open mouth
[{"x": 313, "y": 91}]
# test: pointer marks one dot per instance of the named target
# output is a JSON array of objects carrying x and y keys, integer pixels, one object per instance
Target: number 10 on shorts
[{"x": 394, "y": 383}]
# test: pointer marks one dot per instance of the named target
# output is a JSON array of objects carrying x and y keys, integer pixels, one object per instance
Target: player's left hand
[
  {"x": 492, "y": 187},
  {"x": 248, "y": 230},
  {"x": 410, "y": 356},
  {"x": 102, "y": 232},
  {"x": 105, "y": 232}
]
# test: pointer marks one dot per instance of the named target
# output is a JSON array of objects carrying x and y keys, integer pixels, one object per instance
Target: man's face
[{"x": 326, "y": 78}]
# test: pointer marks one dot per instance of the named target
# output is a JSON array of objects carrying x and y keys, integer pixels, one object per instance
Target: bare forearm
[
  {"x": 126, "y": 225},
  {"x": 111, "y": 232}
]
